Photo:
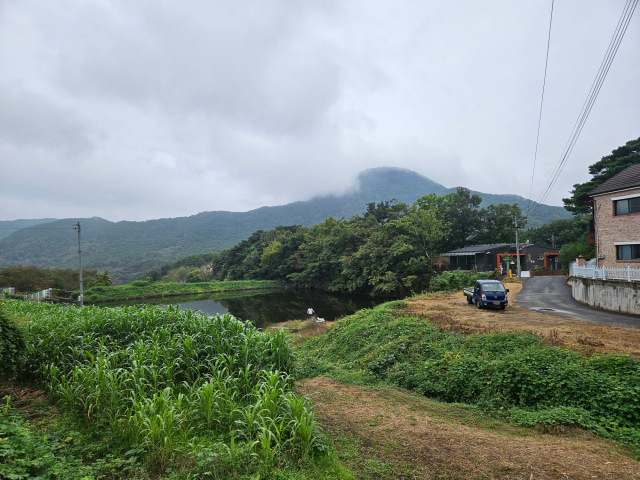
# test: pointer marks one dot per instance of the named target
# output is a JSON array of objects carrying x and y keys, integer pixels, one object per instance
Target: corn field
[{"x": 163, "y": 379}]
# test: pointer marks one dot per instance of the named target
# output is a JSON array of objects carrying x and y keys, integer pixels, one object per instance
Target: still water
[{"x": 263, "y": 307}]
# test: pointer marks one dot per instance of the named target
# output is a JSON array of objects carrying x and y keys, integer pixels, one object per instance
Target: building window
[
  {"x": 628, "y": 252},
  {"x": 627, "y": 206}
]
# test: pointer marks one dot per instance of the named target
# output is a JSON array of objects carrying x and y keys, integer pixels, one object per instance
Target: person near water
[{"x": 310, "y": 312}]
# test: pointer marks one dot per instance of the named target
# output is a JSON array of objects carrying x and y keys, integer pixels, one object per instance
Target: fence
[
  {"x": 625, "y": 274},
  {"x": 39, "y": 296}
]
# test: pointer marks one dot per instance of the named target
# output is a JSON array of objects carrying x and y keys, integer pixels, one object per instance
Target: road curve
[{"x": 551, "y": 295}]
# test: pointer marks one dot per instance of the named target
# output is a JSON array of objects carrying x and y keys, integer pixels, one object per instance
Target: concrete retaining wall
[{"x": 614, "y": 295}]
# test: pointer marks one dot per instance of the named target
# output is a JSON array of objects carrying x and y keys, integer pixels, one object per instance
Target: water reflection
[{"x": 268, "y": 306}]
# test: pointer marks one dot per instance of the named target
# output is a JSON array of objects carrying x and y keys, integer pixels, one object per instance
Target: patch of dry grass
[
  {"x": 450, "y": 311},
  {"x": 422, "y": 438},
  {"x": 301, "y": 330}
]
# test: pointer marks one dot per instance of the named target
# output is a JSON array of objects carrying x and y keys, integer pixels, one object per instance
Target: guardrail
[{"x": 621, "y": 273}]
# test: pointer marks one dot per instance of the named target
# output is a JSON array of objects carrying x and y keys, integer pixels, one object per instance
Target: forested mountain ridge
[
  {"x": 129, "y": 249},
  {"x": 7, "y": 227}
]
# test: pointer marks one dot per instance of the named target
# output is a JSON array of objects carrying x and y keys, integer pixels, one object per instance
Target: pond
[{"x": 263, "y": 307}]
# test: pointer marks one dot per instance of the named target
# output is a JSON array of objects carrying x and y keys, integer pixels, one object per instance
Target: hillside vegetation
[
  {"x": 128, "y": 249},
  {"x": 390, "y": 250}
]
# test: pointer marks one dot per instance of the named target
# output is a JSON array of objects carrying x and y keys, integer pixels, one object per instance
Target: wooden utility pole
[{"x": 517, "y": 249}]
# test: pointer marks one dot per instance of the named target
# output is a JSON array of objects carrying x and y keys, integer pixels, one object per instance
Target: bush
[
  {"x": 140, "y": 283},
  {"x": 12, "y": 346},
  {"x": 459, "y": 279}
]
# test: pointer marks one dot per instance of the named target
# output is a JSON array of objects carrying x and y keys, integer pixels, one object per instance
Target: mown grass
[
  {"x": 144, "y": 289},
  {"x": 192, "y": 396},
  {"x": 511, "y": 375}
]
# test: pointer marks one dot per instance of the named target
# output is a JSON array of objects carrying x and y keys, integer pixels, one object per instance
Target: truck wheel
[
  {"x": 502, "y": 307},
  {"x": 469, "y": 301},
  {"x": 478, "y": 304}
]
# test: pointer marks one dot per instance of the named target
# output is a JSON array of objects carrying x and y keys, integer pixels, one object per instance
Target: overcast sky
[{"x": 131, "y": 110}]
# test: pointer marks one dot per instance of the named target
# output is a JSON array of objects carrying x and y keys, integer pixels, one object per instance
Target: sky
[{"x": 133, "y": 110}]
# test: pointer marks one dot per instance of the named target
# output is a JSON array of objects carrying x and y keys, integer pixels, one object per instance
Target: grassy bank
[
  {"x": 143, "y": 289},
  {"x": 515, "y": 376},
  {"x": 161, "y": 392}
]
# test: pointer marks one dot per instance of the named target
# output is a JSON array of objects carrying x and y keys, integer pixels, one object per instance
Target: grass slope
[
  {"x": 511, "y": 375},
  {"x": 143, "y": 289}
]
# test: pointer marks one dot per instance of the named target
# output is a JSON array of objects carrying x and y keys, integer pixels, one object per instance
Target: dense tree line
[
  {"x": 389, "y": 249},
  {"x": 27, "y": 279}
]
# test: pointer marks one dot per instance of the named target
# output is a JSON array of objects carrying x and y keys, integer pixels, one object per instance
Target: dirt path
[
  {"x": 389, "y": 433},
  {"x": 451, "y": 311}
]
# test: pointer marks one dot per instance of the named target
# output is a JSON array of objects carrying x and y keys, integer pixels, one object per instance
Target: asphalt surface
[{"x": 552, "y": 295}]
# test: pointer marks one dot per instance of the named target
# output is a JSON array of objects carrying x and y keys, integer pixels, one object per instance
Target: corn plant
[{"x": 159, "y": 377}]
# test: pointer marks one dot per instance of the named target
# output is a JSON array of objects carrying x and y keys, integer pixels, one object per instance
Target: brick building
[{"x": 616, "y": 214}]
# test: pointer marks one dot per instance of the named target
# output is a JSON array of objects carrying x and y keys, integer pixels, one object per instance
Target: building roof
[
  {"x": 474, "y": 249},
  {"x": 627, "y": 178}
]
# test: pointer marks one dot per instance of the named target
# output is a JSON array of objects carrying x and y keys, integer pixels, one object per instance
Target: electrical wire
[
  {"x": 544, "y": 83},
  {"x": 614, "y": 44}
]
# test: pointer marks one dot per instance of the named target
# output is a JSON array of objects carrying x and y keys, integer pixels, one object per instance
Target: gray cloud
[
  {"x": 135, "y": 110},
  {"x": 31, "y": 121}
]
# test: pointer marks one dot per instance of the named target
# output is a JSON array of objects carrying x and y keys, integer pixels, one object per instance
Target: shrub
[
  {"x": 140, "y": 283},
  {"x": 459, "y": 279}
]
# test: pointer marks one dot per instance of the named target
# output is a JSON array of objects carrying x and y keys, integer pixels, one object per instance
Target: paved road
[{"x": 551, "y": 295}]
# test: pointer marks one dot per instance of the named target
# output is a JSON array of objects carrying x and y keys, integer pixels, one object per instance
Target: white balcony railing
[{"x": 603, "y": 273}]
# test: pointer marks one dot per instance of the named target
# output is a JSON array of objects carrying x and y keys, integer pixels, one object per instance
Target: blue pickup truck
[{"x": 487, "y": 293}]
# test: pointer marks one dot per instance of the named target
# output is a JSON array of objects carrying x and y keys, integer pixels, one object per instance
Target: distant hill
[
  {"x": 129, "y": 249},
  {"x": 7, "y": 227}
]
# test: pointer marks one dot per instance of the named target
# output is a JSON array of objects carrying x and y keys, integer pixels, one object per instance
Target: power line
[
  {"x": 36, "y": 228},
  {"x": 544, "y": 83},
  {"x": 593, "y": 93},
  {"x": 614, "y": 44}
]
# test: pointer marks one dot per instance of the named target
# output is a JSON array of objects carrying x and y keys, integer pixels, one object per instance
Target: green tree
[
  {"x": 571, "y": 251},
  {"x": 564, "y": 231},
  {"x": 498, "y": 223},
  {"x": 101, "y": 279},
  {"x": 461, "y": 212},
  {"x": 601, "y": 171},
  {"x": 25, "y": 279},
  {"x": 422, "y": 227},
  {"x": 194, "y": 276}
]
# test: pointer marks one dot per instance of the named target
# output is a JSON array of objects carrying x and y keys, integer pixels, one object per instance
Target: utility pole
[
  {"x": 553, "y": 241},
  {"x": 80, "y": 268},
  {"x": 517, "y": 249}
]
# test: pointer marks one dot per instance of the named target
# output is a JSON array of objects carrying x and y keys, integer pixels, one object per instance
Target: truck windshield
[{"x": 493, "y": 287}]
